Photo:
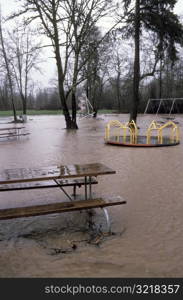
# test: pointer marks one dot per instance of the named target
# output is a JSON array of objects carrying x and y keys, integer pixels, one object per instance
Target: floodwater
[{"x": 147, "y": 239}]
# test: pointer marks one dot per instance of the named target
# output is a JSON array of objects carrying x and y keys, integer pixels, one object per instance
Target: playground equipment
[
  {"x": 174, "y": 132},
  {"x": 86, "y": 109},
  {"x": 124, "y": 128},
  {"x": 167, "y": 106},
  {"x": 127, "y": 134}
]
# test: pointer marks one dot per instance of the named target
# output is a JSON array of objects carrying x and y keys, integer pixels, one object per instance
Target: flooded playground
[{"x": 147, "y": 232}]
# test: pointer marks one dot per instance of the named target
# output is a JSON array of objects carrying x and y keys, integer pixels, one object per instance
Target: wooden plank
[
  {"x": 60, "y": 207},
  {"x": 6, "y": 133},
  {"x": 11, "y": 128},
  {"x": 44, "y": 184},
  {"x": 55, "y": 172},
  {"x": 13, "y": 135}
]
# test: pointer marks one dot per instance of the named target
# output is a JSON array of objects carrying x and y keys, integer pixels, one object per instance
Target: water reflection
[{"x": 149, "y": 179}]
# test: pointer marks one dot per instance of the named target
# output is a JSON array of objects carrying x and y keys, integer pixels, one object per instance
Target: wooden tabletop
[
  {"x": 54, "y": 172},
  {"x": 9, "y": 128}
]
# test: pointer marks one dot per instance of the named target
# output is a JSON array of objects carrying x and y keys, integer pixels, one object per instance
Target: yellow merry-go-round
[{"x": 127, "y": 134}]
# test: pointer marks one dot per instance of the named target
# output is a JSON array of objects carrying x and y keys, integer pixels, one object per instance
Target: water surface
[{"x": 148, "y": 230}]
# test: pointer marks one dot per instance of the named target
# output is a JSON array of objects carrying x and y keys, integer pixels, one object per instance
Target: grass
[
  {"x": 8, "y": 113},
  {"x": 31, "y": 112}
]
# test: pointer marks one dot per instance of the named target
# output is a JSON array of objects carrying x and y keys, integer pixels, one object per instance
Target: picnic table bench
[
  {"x": 8, "y": 132},
  {"x": 60, "y": 177}
]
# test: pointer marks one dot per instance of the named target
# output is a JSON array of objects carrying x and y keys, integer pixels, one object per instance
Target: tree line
[{"x": 137, "y": 57}]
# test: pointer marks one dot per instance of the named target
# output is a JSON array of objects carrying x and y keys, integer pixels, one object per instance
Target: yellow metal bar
[{"x": 121, "y": 129}]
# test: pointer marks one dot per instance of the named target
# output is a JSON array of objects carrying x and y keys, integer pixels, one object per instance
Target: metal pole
[
  {"x": 172, "y": 107},
  {"x": 147, "y": 106},
  {"x": 86, "y": 197},
  {"x": 63, "y": 190},
  {"x": 90, "y": 187},
  {"x": 107, "y": 219},
  {"x": 159, "y": 107}
]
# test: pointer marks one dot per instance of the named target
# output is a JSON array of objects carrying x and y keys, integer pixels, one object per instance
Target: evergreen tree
[{"x": 158, "y": 17}]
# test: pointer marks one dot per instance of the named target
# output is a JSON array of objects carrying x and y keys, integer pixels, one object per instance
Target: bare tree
[
  {"x": 4, "y": 100},
  {"x": 95, "y": 69},
  {"x": 25, "y": 57},
  {"x": 66, "y": 23},
  {"x": 8, "y": 69}
]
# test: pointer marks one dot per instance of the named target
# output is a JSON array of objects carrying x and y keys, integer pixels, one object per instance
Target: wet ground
[{"x": 147, "y": 237}]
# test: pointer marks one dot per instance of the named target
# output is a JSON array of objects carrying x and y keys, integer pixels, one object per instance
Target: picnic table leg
[
  {"x": 107, "y": 219},
  {"x": 74, "y": 191},
  {"x": 86, "y": 196},
  {"x": 70, "y": 198},
  {"x": 90, "y": 187}
]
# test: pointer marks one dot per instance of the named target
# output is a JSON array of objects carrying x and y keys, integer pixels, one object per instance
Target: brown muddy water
[{"x": 147, "y": 239}]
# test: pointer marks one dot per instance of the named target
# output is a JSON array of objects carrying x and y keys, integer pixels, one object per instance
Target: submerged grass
[{"x": 9, "y": 113}]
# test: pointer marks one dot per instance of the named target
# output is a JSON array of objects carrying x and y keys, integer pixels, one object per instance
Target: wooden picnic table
[
  {"x": 8, "y": 132},
  {"x": 53, "y": 172},
  {"x": 23, "y": 175},
  {"x": 13, "y": 179}
]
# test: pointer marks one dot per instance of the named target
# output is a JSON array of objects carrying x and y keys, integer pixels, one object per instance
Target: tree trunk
[
  {"x": 95, "y": 111},
  {"x": 160, "y": 80},
  {"x": 8, "y": 73},
  {"x": 136, "y": 74},
  {"x": 24, "y": 104},
  {"x": 70, "y": 124},
  {"x": 118, "y": 93},
  {"x": 14, "y": 109},
  {"x": 74, "y": 110},
  {"x": 74, "y": 84}
]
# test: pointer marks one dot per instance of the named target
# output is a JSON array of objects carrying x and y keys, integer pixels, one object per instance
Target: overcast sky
[{"x": 7, "y": 6}]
